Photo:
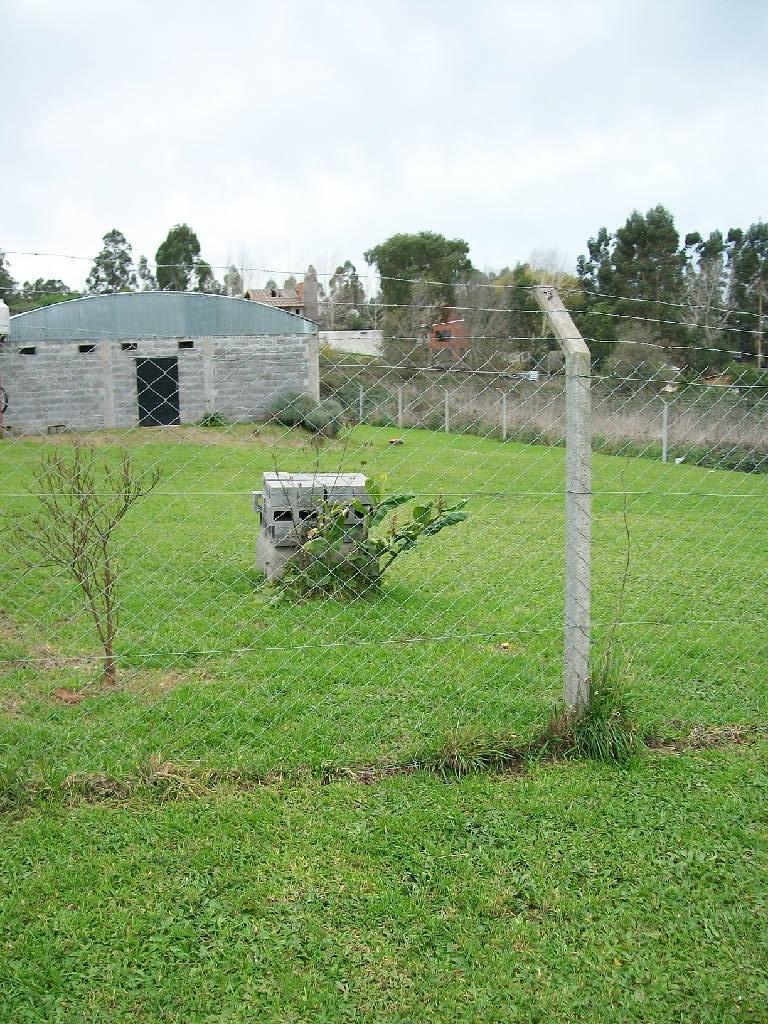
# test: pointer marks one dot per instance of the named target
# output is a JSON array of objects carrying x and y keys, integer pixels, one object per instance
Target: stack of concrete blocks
[{"x": 289, "y": 502}]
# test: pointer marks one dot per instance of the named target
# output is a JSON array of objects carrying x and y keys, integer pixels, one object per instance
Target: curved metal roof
[{"x": 131, "y": 315}]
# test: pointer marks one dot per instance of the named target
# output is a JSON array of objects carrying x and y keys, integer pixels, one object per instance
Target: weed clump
[
  {"x": 604, "y": 729},
  {"x": 212, "y": 419},
  {"x": 469, "y": 750}
]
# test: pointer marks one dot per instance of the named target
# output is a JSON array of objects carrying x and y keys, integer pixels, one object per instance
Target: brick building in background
[
  {"x": 302, "y": 300},
  {"x": 448, "y": 339}
]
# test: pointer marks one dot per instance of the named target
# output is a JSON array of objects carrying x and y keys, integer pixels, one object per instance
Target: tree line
[
  {"x": 179, "y": 266},
  {"x": 639, "y": 293},
  {"x": 702, "y": 298},
  {"x": 695, "y": 300}
]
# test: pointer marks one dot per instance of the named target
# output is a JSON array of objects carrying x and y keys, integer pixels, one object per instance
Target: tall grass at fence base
[
  {"x": 471, "y": 749},
  {"x": 604, "y": 729}
]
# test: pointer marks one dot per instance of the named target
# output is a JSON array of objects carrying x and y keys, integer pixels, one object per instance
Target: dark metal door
[{"x": 157, "y": 385}]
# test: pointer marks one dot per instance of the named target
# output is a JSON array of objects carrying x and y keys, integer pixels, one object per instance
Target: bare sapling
[{"x": 80, "y": 504}]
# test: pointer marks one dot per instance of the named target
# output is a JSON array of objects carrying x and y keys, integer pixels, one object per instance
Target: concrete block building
[{"x": 152, "y": 358}]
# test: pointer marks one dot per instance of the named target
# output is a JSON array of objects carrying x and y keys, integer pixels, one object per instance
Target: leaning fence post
[{"x": 578, "y": 497}]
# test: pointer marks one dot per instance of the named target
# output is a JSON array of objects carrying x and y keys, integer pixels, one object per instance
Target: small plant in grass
[
  {"x": 79, "y": 506},
  {"x": 339, "y": 558},
  {"x": 212, "y": 419},
  {"x": 470, "y": 749}
]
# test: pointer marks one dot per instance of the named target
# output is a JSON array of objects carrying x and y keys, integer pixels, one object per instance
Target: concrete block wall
[{"x": 238, "y": 377}]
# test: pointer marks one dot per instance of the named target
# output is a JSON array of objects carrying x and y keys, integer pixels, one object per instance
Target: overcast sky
[{"x": 297, "y": 132}]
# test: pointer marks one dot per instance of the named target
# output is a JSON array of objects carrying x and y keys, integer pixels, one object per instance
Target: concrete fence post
[
  {"x": 446, "y": 412},
  {"x": 399, "y": 407},
  {"x": 578, "y": 497},
  {"x": 504, "y": 416},
  {"x": 664, "y": 431},
  {"x": 360, "y": 404}
]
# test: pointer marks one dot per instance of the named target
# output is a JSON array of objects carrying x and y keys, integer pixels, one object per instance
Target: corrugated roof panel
[{"x": 154, "y": 314}]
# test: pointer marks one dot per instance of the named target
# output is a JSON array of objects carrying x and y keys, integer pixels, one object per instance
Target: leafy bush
[
  {"x": 297, "y": 410},
  {"x": 327, "y": 417},
  {"x": 291, "y": 408},
  {"x": 336, "y": 557}
]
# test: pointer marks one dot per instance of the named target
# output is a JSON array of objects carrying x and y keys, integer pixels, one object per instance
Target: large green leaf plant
[{"x": 338, "y": 558}]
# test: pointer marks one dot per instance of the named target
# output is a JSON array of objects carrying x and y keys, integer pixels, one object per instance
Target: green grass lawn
[
  {"x": 577, "y": 893},
  {"x": 212, "y": 675},
  {"x": 570, "y": 892}
]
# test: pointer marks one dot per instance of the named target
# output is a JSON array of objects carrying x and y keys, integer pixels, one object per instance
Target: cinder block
[{"x": 289, "y": 502}]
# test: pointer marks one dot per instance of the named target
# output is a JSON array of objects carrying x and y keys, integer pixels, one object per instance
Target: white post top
[
  {"x": 5, "y": 320},
  {"x": 563, "y": 327}
]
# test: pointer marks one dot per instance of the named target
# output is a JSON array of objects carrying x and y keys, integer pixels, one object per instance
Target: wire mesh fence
[{"x": 463, "y": 634}]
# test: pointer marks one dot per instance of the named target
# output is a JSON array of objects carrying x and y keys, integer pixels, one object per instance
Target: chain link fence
[{"x": 464, "y": 635}]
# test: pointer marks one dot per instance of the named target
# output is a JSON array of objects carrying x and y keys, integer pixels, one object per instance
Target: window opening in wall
[
  {"x": 186, "y": 344},
  {"x": 129, "y": 346},
  {"x": 30, "y": 350},
  {"x": 86, "y": 348}
]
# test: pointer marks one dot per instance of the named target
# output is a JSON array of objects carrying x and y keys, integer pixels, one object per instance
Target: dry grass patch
[
  {"x": 240, "y": 435},
  {"x": 708, "y": 737},
  {"x": 156, "y": 683}
]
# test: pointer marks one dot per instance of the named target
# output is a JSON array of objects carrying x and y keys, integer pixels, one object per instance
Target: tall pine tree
[
  {"x": 112, "y": 269},
  {"x": 750, "y": 285},
  {"x": 176, "y": 259},
  {"x": 633, "y": 281}
]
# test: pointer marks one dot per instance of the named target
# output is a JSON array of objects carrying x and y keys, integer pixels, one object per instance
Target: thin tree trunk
[{"x": 110, "y": 623}]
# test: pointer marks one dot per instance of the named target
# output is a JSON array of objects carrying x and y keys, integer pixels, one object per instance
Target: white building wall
[{"x": 367, "y": 343}]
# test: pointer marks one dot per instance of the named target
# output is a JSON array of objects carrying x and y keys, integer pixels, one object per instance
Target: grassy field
[
  {"x": 210, "y": 674},
  {"x": 576, "y": 893},
  {"x": 567, "y": 891}
]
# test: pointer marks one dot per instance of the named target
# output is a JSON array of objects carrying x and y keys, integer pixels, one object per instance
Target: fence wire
[{"x": 463, "y": 635}]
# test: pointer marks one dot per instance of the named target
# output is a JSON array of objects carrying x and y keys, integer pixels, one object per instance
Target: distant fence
[{"x": 639, "y": 411}]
